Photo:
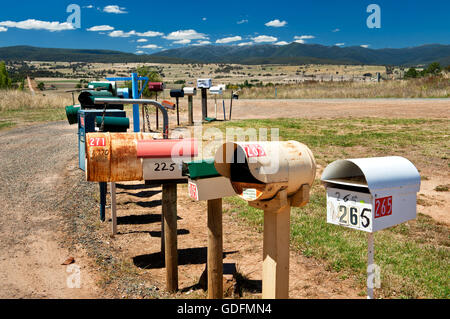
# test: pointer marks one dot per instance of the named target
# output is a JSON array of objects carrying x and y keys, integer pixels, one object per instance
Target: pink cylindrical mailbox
[{"x": 162, "y": 159}]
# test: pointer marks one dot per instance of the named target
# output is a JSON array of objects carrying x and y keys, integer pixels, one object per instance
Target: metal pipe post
[{"x": 102, "y": 200}]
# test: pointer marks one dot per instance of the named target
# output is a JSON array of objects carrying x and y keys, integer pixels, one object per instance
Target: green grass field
[{"x": 414, "y": 257}]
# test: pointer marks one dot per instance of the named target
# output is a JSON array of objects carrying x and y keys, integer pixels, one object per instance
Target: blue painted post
[{"x": 135, "y": 89}]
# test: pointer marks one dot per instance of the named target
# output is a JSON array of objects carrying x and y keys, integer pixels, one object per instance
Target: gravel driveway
[{"x": 32, "y": 164}]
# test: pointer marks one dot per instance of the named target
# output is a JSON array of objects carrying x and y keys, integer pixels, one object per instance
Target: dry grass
[
  {"x": 11, "y": 100},
  {"x": 437, "y": 87},
  {"x": 18, "y": 107}
]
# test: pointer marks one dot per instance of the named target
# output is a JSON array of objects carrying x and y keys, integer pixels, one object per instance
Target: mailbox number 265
[{"x": 351, "y": 215}]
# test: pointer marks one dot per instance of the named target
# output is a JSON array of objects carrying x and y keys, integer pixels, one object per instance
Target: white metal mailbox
[
  {"x": 204, "y": 83},
  {"x": 190, "y": 91},
  {"x": 216, "y": 90},
  {"x": 205, "y": 183},
  {"x": 371, "y": 194}
]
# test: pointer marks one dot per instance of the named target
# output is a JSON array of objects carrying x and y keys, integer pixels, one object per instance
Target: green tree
[
  {"x": 41, "y": 86},
  {"x": 411, "y": 73},
  {"x": 153, "y": 76},
  {"x": 434, "y": 68},
  {"x": 5, "y": 80}
]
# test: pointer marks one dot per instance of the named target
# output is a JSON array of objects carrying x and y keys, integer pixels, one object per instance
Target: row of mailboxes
[{"x": 369, "y": 194}]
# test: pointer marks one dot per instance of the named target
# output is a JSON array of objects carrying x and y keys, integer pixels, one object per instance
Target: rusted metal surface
[{"x": 112, "y": 157}]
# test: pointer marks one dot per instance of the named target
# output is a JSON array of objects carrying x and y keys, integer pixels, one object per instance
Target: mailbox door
[
  {"x": 350, "y": 208},
  {"x": 161, "y": 169},
  {"x": 210, "y": 188}
]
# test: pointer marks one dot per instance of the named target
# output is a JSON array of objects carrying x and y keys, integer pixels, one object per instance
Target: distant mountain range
[{"x": 294, "y": 53}]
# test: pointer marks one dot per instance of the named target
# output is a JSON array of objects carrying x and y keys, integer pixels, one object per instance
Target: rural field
[{"x": 339, "y": 118}]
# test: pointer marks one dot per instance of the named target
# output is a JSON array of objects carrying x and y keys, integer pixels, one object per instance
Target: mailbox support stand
[
  {"x": 169, "y": 209},
  {"x": 277, "y": 211},
  {"x": 204, "y": 104},
  {"x": 215, "y": 249},
  {"x": 370, "y": 269},
  {"x": 113, "y": 209},
  {"x": 178, "y": 113},
  {"x": 190, "y": 110},
  {"x": 103, "y": 186}
]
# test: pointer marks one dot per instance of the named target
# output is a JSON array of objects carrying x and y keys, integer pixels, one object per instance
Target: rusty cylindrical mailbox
[
  {"x": 271, "y": 176},
  {"x": 258, "y": 171},
  {"x": 112, "y": 157}
]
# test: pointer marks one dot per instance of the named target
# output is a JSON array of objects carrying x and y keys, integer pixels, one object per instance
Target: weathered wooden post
[
  {"x": 190, "y": 92},
  {"x": 169, "y": 211},
  {"x": 205, "y": 183}
]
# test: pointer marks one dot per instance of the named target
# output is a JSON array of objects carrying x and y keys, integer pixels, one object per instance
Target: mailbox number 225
[
  {"x": 164, "y": 167},
  {"x": 353, "y": 216}
]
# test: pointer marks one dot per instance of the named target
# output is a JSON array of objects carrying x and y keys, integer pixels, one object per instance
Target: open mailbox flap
[{"x": 376, "y": 173}]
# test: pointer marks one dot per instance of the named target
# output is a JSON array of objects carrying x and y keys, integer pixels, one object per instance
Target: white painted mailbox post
[
  {"x": 273, "y": 177},
  {"x": 371, "y": 194}
]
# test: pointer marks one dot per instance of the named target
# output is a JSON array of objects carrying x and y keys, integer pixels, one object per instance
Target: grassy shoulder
[
  {"x": 19, "y": 107},
  {"x": 414, "y": 257}
]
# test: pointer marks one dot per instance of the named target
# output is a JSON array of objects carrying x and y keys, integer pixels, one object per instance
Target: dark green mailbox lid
[{"x": 202, "y": 169}]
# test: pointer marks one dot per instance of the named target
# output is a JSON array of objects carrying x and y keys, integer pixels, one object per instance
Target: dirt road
[{"x": 31, "y": 160}]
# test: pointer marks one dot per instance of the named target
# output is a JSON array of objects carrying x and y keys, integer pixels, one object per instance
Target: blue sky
[{"x": 151, "y": 26}]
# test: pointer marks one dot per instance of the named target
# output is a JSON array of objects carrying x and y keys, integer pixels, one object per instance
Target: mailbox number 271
[{"x": 97, "y": 141}]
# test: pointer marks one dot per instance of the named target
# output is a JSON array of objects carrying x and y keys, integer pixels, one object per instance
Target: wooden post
[
  {"x": 113, "y": 209},
  {"x": 370, "y": 266},
  {"x": 215, "y": 249},
  {"x": 231, "y": 104},
  {"x": 190, "y": 110},
  {"x": 169, "y": 208}
]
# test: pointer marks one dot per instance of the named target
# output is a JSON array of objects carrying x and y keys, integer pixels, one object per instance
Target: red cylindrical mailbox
[{"x": 156, "y": 86}]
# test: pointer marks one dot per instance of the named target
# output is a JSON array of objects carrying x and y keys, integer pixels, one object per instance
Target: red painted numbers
[
  {"x": 254, "y": 150},
  {"x": 383, "y": 207},
  {"x": 97, "y": 141}
]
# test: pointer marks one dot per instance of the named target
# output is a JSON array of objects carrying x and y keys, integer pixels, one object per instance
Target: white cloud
[
  {"x": 3, "y": 29},
  {"x": 245, "y": 44},
  {"x": 276, "y": 23},
  {"x": 88, "y": 7},
  {"x": 142, "y": 40},
  {"x": 202, "y": 43},
  {"x": 336, "y": 30},
  {"x": 281, "y": 43},
  {"x": 229, "y": 39},
  {"x": 182, "y": 41},
  {"x": 32, "y": 24},
  {"x": 122, "y": 34},
  {"x": 242, "y": 21},
  {"x": 340, "y": 44},
  {"x": 114, "y": 9},
  {"x": 364, "y": 45},
  {"x": 101, "y": 28},
  {"x": 300, "y": 41},
  {"x": 149, "y": 46},
  {"x": 149, "y": 34},
  {"x": 264, "y": 38},
  {"x": 185, "y": 35},
  {"x": 303, "y": 37},
  {"x": 204, "y": 19},
  {"x": 139, "y": 52}
]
